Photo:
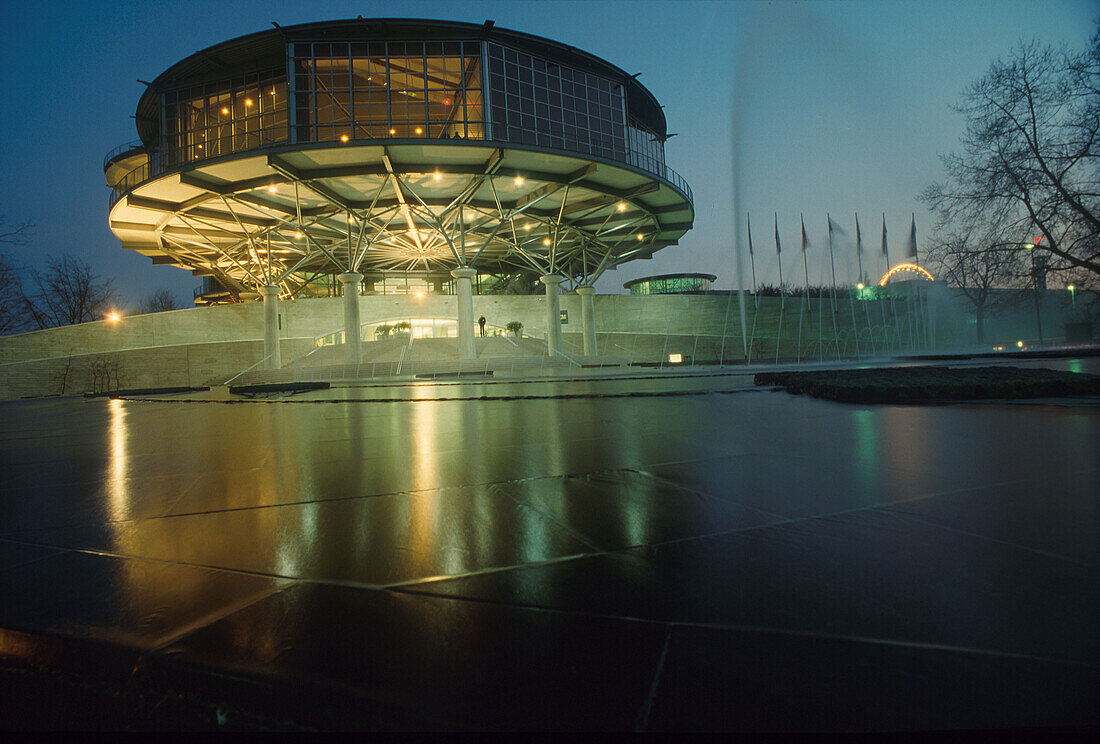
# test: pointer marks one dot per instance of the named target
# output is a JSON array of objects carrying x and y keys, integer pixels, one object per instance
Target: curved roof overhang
[
  {"x": 658, "y": 277},
  {"x": 274, "y": 216},
  {"x": 266, "y": 49}
]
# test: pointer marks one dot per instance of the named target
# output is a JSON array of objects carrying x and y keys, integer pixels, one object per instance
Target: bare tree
[
  {"x": 978, "y": 261},
  {"x": 67, "y": 292},
  {"x": 1030, "y": 162},
  {"x": 159, "y": 301},
  {"x": 13, "y": 316}
]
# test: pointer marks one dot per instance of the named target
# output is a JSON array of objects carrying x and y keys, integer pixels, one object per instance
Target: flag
[
  {"x": 778, "y": 250},
  {"x": 885, "y": 250},
  {"x": 805, "y": 240},
  {"x": 833, "y": 227},
  {"x": 859, "y": 238},
  {"x": 913, "y": 239},
  {"x": 748, "y": 219}
]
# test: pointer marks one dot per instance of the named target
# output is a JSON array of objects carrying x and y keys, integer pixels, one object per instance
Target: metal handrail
[
  {"x": 133, "y": 145},
  {"x": 257, "y": 364},
  {"x": 157, "y": 163}
]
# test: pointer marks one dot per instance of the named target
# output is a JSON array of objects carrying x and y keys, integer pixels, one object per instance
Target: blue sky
[{"x": 841, "y": 107}]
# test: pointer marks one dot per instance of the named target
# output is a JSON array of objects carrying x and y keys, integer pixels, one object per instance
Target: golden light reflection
[
  {"x": 118, "y": 464},
  {"x": 424, "y": 506}
]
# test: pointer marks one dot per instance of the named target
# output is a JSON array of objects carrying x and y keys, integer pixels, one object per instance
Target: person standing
[{"x": 481, "y": 322}]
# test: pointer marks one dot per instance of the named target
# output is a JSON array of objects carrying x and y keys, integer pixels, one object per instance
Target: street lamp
[
  {"x": 1038, "y": 273},
  {"x": 1072, "y": 295}
]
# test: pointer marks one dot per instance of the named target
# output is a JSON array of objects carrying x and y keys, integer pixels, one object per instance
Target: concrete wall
[{"x": 209, "y": 344}]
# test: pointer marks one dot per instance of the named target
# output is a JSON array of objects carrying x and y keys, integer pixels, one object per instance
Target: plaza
[{"x": 686, "y": 553}]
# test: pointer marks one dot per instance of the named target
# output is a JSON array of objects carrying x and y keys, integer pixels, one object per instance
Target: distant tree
[
  {"x": 66, "y": 292},
  {"x": 977, "y": 261},
  {"x": 1030, "y": 159},
  {"x": 159, "y": 301},
  {"x": 15, "y": 234},
  {"x": 13, "y": 315}
]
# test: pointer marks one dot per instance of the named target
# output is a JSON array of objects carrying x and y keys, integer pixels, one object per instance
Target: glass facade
[
  {"x": 346, "y": 91},
  {"x": 215, "y": 119},
  {"x": 356, "y": 91},
  {"x": 538, "y": 102},
  {"x": 672, "y": 284}
]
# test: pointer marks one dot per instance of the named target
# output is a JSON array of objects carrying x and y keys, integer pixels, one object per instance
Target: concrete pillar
[
  {"x": 271, "y": 327},
  {"x": 553, "y": 314},
  {"x": 588, "y": 319},
  {"x": 464, "y": 295},
  {"x": 352, "y": 345}
]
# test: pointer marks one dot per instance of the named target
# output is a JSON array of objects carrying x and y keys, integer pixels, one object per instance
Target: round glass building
[{"x": 326, "y": 157}]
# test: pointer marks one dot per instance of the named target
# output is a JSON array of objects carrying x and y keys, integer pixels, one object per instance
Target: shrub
[{"x": 514, "y": 327}]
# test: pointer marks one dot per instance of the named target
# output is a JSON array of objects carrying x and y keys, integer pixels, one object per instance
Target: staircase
[{"x": 425, "y": 357}]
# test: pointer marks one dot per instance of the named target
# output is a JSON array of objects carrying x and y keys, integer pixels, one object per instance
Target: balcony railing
[
  {"x": 126, "y": 147},
  {"x": 156, "y": 165}
]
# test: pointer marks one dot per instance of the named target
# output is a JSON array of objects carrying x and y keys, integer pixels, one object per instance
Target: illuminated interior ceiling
[{"x": 283, "y": 218}]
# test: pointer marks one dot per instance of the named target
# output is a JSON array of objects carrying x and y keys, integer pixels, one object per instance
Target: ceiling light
[
  {"x": 622, "y": 206},
  {"x": 343, "y": 138},
  {"x": 641, "y": 237},
  {"x": 528, "y": 227},
  {"x": 546, "y": 241},
  {"x": 248, "y": 102},
  {"x": 225, "y": 110},
  {"x": 393, "y": 131},
  {"x": 419, "y": 130},
  {"x": 436, "y": 176},
  {"x": 519, "y": 180}
]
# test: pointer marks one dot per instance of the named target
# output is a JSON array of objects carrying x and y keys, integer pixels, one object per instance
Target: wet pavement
[{"x": 560, "y": 555}]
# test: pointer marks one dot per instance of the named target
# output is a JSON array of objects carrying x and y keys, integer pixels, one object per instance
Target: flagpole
[
  {"x": 805, "y": 289},
  {"x": 752, "y": 259},
  {"x": 852, "y": 304},
  {"x": 755, "y": 299},
  {"x": 893, "y": 308},
  {"x": 852, "y": 311},
  {"x": 832, "y": 268},
  {"x": 782, "y": 291},
  {"x": 925, "y": 339},
  {"x": 862, "y": 280}
]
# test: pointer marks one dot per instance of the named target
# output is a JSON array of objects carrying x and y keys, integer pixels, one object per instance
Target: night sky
[{"x": 844, "y": 107}]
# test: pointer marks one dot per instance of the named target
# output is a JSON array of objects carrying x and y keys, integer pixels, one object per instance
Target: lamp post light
[
  {"x": 1072, "y": 296},
  {"x": 1038, "y": 273}
]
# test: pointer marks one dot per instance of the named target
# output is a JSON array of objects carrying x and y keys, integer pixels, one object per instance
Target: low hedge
[{"x": 929, "y": 384}]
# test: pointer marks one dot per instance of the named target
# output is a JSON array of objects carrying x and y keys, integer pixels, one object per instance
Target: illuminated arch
[{"x": 913, "y": 268}]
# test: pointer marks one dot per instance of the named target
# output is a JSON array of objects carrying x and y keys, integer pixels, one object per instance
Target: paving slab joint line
[
  {"x": 214, "y": 617},
  {"x": 643, "y": 715},
  {"x": 562, "y": 396},
  {"x": 761, "y": 629},
  {"x": 986, "y": 538}
]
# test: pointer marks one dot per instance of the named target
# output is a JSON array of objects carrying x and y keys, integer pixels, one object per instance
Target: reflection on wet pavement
[{"x": 731, "y": 560}]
